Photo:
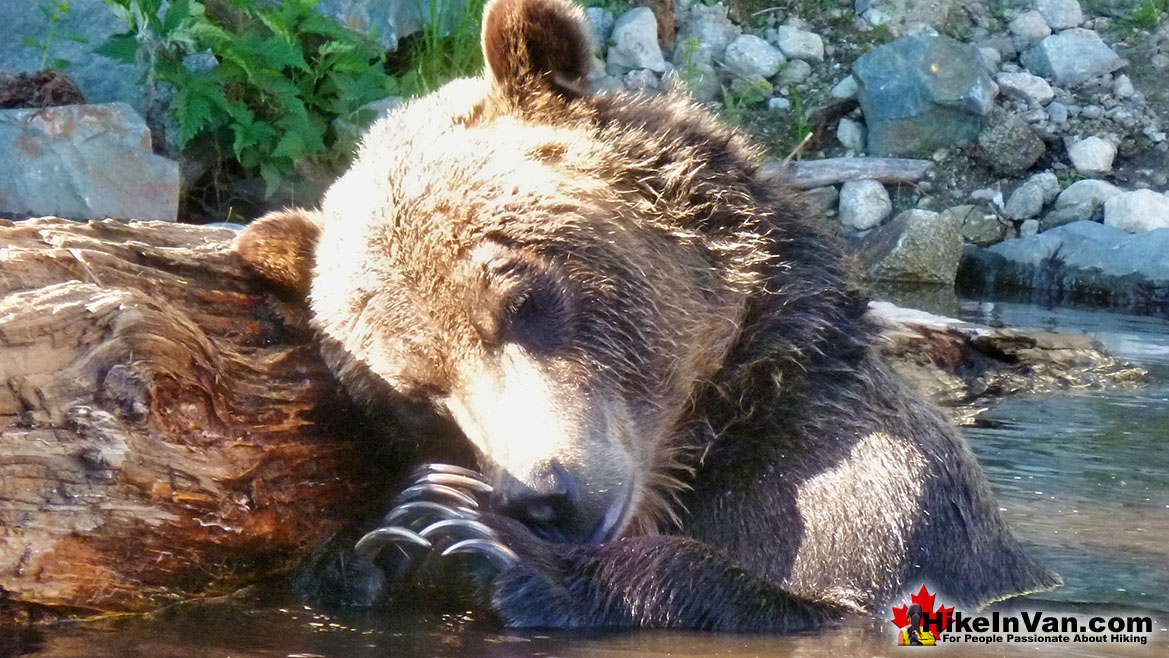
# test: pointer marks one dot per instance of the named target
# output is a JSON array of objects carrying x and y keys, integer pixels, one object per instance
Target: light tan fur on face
[{"x": 388, "y": 290}]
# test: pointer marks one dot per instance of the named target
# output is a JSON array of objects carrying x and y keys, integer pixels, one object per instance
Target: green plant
[
  {"x": 687, "y": 67},
  {"x": 282, "y": 72},
  {"x": 447, "y": 47},
  {"x": 801, "y": 125},
  {"x": 740, "y": 95},
  {"x": 54, "y": 12},
  {"x": 1146, "y": 16}
]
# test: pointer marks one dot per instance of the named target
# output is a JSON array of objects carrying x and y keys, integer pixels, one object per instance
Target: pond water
[{"x": 1083, "y": 477}]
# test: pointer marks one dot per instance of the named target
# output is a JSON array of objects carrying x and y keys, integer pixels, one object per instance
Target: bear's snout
[{"x": 561, "y": 505}]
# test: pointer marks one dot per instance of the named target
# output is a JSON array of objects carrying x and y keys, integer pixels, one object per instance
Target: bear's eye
[{"x": 535, "y": 316}]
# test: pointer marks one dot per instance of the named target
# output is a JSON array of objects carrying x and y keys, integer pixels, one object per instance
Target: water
[{"x": 1083, "y": 477}]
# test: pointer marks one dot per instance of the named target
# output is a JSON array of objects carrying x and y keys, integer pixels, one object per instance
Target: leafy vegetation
[
  {"x": 1147, "y": 15},
  {"x": 54, "y": 13},
  {"x": 448, "y": 46},
  {"x": 281, "y": 73}
]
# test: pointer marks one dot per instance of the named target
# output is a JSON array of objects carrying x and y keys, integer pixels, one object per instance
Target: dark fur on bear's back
[{"x": 693, "y": 339}]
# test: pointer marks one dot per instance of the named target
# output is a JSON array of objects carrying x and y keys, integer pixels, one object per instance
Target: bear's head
[{"x": 564, "y": 275}]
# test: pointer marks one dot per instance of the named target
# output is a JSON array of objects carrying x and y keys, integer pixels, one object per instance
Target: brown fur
[
  {"x": 598, "y": 286},
  {"x": 279, "y": 247}
]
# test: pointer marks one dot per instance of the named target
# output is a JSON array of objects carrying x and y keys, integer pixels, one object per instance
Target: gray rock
[
  {"x": 643, "y": 80},
  {"x": 991, "y": 58},
  {"x": 1008, "y": 145},
  {"x": 1071, "y": 57},
  {"x": 851, "y": 134},
  {"x": 799, "y": 44},
  {"x": 1092, "y": 155},
  {"x": 1057, "y": 112},
  {"x": 979, "y": 225},
  {"x": 633, "y": 43},
  {"x": 916, "y": 246},
  {"x": 1030, "y": 26},
  {"x": 1060, "y": 14},
  {"x": 392, "y": 20},
  {"x": 779, "y": 105},
  {"x": 1092, "y": 112},
  {"x": 903, "y": 15},
  {"x": 863, "y": 204},
  {"x": 601, "y": 20},
  {"x": 1031, "y": 89},
  {"x": 1138, "y": 211},
  {"x": 708, "y": 29},
  {"x": 84, "y": 162},
  {"x": 1025, "y": 202},
  {"x": 1122, "y": 86},
  {"x": 921, "y": 93},
  {"x": 793, "y": 71},
  {"x": 1078, "y": 261},
  {"x": 821, "y": 200},
  {"x": 1047, "y": 183},
  {"x": 846, "y": 88},
  {"x": 1029, "y": 227},
  {"x": 702, "y": 81},
  {"x": 1088, "y": 192},
  {"x": 750, "y": 57},
  {"x": 102, "y": 80},
  {"x": 1067, "y": 214}
]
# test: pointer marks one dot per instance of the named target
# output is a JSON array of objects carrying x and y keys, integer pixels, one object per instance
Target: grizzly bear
[{"x": 660, "y": 359}]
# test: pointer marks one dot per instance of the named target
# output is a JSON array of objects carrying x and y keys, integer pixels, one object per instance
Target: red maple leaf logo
[{"x": 940, "y": 617}]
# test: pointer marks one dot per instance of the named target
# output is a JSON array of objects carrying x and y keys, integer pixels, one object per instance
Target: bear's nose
[{"x": 547, "y": 500}]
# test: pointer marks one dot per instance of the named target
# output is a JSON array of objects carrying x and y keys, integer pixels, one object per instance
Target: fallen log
[
  {"x": 166, "y": 429},
  {"x": 809, "y": 174},
  {"x": 168, "y": 432}
]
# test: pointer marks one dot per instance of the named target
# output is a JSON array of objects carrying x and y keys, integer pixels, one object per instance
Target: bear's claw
[
  {"x": 373, "y": 542},
  {"x": 440, "y": 512},
  {"x": 500, "y": 556},
  {"x": 439, "y": 491}
]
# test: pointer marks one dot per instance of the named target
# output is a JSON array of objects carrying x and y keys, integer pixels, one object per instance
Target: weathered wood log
[
  {"x": 166, "y": 429},
  {"x": 168, "y": 432},
  {"x": 964, "y": 366},
  {"x": 808, "y": 174}
]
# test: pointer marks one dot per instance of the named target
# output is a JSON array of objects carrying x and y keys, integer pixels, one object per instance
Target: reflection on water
[{"x": 1083, "y": 477}]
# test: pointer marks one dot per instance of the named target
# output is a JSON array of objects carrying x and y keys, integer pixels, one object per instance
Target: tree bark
[{"x": 166, "y": 429}]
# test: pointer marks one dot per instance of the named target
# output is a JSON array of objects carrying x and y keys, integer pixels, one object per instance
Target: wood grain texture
[{"x": 166, "y": 429}]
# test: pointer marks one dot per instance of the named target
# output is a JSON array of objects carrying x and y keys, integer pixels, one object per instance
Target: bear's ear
[
  {"x": 279, "y": 247},
  {"x": 534, "y": 47}
]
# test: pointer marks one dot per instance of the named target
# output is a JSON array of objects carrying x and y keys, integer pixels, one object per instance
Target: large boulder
[
  {"x": 102, "y": 80},
  {"x": 916, "y": 246},
  {"x": 1083, "y": 261},
  {"x": 84, "y": 162},
  {"x": 1138, "y": 211},
  {"x": 921, "y": 93},
  {"x": 1071, "y": 57},
  {"x": 633, "y": 43}
]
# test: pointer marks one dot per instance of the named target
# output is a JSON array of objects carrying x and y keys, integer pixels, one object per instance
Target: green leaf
[
  {"x": 176, "y": 13},
  {"x": 30, "y": 41},
  {"x": 119, "y": 47},
  {"x": 274, "y": 53},
  {"x": 60, "y": 64},
  {"x": 290, "y": 146},
  {"x": 72, "y": 36},
  {"x": 317, "y": 23},
  {"x": 193, "y": 110},
  {"x": 273, "y": 176}
]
